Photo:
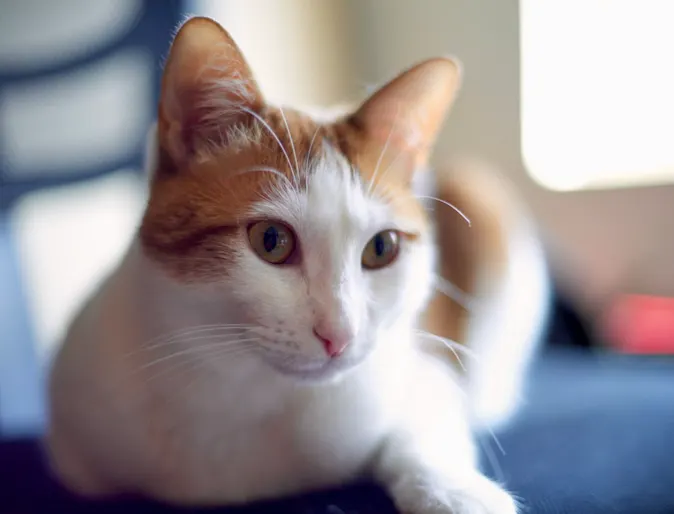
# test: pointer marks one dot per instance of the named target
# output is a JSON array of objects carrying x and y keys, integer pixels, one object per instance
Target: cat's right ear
[{"x": 207, "y": 87}]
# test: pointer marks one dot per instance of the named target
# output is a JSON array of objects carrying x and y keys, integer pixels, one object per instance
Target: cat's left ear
[
  {"x": 403, "y": 118},
  {"x": 207, "y": 87}
]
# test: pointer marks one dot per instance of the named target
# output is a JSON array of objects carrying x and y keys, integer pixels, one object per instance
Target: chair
[{"x": 53, "y": 56}]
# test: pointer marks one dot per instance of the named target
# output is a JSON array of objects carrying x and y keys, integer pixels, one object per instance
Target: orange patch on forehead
[{"x": 196, "y": 213}]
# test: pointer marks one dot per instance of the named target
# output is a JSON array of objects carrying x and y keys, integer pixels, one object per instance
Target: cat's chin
[{"x": 328, "y": 371}]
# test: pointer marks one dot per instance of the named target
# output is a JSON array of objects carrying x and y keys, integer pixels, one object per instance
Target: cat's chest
[{"x": 272, "y": 438}]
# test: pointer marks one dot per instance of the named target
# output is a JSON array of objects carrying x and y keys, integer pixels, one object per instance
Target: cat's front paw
[{"x": 479, "y": 495}]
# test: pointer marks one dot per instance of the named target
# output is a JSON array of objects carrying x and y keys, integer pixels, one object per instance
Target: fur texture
[{"x": 198, "y": 373}]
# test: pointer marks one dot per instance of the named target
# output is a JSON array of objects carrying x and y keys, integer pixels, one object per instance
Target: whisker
[
  {"x": 311, "y": 145},
  {"x": 208, "y": 328},
  {"x": 189, "y": 329},
  {"x": 199, "y": 352},
  {"x": 271, "y": 131},
  {"x": 383, "y": 151},
  {"x": 292, "y": 143},
  {"x": 205, "y": 333},
  {"x": 444, "y": 202},
  {"x": 451, "y": 345},
  {"x": 449, "y": 342},
  {"x": 308, "y": 155},
  {"x": 493, "y": 460},
  {"x": 174, "y": 337},
  {"x": 264, "y": 169},
  {"x": 209, "y": 352},
  {"x": 498, "y": 443},
  {"x": 388, "y": 168},
  {"x": 454, "y": 293},
  {"x": 192, "y": 349}
]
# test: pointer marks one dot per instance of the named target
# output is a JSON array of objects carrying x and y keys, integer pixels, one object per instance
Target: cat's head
[{"x": 311, "y": 229}]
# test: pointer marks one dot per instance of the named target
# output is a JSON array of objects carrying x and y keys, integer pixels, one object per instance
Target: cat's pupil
[
  {"x": 270, "y": 240},
  {"x": 379, "y": 245}
]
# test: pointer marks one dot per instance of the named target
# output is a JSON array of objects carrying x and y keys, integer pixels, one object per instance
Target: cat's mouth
[{"x": 311, "y": 370}]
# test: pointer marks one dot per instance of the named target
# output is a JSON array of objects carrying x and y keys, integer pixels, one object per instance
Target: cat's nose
[{"x": 334, "y": 342}]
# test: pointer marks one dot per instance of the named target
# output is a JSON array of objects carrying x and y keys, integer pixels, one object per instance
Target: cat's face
[{"x": 311, "y": 229}]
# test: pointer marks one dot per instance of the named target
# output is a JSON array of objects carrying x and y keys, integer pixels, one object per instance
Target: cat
[{"x": 265, "y": 333}]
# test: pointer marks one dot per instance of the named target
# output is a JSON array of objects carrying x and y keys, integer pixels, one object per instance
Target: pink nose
[{"x": 334, "y": 346}]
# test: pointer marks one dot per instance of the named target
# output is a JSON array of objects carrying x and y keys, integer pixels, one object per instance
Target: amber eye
[
  {"x": 272, "y": 241},
  {"x": 381, "y": 250}
]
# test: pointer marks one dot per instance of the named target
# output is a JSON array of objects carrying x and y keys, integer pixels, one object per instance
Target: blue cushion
[
  {"x": 20, "y": 375},
  {"x": 595, "y": 437}
]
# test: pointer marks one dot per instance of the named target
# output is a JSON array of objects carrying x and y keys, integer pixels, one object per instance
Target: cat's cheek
[{"x": 269, "y": 296}]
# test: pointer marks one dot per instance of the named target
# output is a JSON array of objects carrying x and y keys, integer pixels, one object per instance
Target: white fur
[{"x": 278, "y": 417}]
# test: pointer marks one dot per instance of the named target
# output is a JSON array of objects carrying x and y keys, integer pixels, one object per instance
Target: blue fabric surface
[
  {"x": 596, "y": 437},
  {"x": 20, "y": 375}
]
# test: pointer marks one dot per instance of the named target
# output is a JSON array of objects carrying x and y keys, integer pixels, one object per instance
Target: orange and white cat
[{"x": 265, "y": 333}]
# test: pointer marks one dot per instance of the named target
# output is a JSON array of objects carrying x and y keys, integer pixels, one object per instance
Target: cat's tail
[{"x": 492, "y": 290}]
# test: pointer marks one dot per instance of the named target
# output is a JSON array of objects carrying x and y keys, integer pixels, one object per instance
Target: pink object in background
[{"x": 640, "y": 324}]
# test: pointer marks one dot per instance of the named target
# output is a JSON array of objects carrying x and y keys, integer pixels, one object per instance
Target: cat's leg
[
  {"x": 444, "y": 483},
  {"x": 429, "y": 463}
]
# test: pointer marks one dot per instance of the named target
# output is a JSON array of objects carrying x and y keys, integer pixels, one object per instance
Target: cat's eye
[
  {"x": 273, "y": 241},
  {"x": 381, "y": 250}
]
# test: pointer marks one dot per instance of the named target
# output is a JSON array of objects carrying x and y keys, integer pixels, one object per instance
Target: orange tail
[{"x": 468, "y": 252}]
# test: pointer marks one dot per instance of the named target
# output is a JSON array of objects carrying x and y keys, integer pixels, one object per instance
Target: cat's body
[
  {"x": 193, "y": 375},
  {"x": 237, "y": 433}
]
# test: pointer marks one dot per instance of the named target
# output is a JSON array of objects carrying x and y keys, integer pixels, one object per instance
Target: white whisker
[
  {"x": 202, "y": 360},
  {"x": 383, "y": 151},
  {"x": 292, "y": 144},
  {"x": 271, "y": 131},
  {"x": 493, "y": 461},
  {"x": 311, "y": 145},
  {"x": 198, "y": 354},
  {"x": 454, "y": 293},
  {"x": 453, "y": 346},
  {"x": 197, "y": 327},
  {"x": 193, "y": 349},
  {"x": 264, "y": 169},
  {"x": 498, "y": 443},
  {"x": 388, "y": 168},
  {"x": 173, "y": 338},
  {"x": 444, "y": 202},
  {"x": 308, "y": 156},
  {"x": 203, "y": 334}
]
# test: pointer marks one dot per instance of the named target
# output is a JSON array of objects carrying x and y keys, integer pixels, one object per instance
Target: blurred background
[{"x": 571, "y": 99}]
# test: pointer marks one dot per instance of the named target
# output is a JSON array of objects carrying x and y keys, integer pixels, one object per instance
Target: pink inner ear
[
  {"x": 199, "y": 116},
  {"x": 408, "y": 112},
  {"x": 402, "y": 129}
]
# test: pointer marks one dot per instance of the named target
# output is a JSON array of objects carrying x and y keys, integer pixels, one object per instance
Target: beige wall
[
  {"x": 602, "y": 241},
  {"x": 295, "y": 47}
]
